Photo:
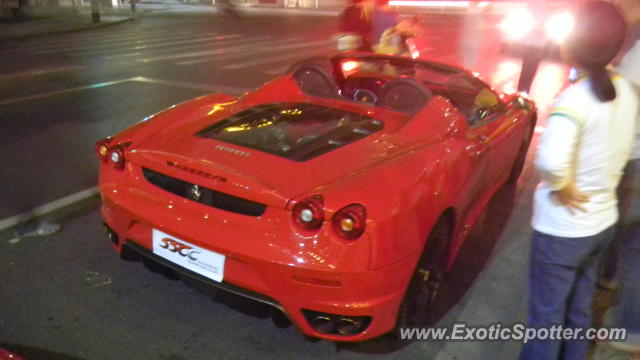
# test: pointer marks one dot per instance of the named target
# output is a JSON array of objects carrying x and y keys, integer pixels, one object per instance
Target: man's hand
[{"x": 572, "y": 198}]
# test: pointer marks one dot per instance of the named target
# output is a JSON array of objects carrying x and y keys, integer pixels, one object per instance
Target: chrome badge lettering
[
  {"x": 232, "y": 150},
  {"x": 197, "y": 172}
]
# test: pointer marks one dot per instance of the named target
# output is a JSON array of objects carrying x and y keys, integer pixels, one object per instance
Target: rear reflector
[
  {"x": 309, "y": 213},
  {"x": 116, "y": 156}
]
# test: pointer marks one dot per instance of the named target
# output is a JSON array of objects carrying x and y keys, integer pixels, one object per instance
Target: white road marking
[
  {"x": 273, "y": 59},
  {"x": 11, "y": 76},
  {"x": 141, "y": 79},
  {"x": 256, "y": 50},
  {"x": 58, "y": 92},
  {"x": 236, "y": 51},
  {"x": 119, "y": 56},
  {"x": 164, "y": 43},
  {"x": 278, "y": 70},
  {"x": 90, "y": 38},
  {"x": 48, "y": 208},
  {"x": 172, "y": 50},
  {"x": 222, "y": 52},
  {"x": 93, "y": 191},
  {"x": 232, "y": 90},
  {"x": 133, "y": 44},
  {"x": 179, "y": 56}
]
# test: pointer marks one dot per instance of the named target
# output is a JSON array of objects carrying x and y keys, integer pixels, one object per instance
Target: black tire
[
  {"x": 420, "y": 299},
  {"x": 518, "y": 165}
]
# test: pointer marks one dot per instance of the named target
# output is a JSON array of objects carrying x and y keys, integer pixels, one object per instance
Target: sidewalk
[
  {"x": 46, "y": 21},
  {"x": 41, "y": 21}
]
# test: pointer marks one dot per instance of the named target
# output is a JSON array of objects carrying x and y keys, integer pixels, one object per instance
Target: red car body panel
[
  {"x": 6, "y": 355},
  {"x": 406, "y": 176}
]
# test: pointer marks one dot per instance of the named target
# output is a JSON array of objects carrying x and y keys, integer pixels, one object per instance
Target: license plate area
[{"x": 202, "y": 261}]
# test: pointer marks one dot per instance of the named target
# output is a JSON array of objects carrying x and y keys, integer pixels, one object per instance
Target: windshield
[{"x": 294, "y": 131}]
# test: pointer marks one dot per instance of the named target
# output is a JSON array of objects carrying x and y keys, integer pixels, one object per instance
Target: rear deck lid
[{"x": 298, "y": 132}]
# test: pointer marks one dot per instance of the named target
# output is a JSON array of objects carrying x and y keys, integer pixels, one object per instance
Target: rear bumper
[
  {"x": 331, "y": 287},
  {"x": 130, "y": 246}
]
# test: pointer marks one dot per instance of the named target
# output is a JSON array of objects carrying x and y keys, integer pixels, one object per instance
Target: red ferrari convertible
[{"x": 338, "y": 193}]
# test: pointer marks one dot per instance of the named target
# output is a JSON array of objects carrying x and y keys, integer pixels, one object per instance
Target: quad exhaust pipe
[
  {"x": 337, "y": 324},
  {"x": 323, "y": 324},
  {"x": 348, "y": 326}
]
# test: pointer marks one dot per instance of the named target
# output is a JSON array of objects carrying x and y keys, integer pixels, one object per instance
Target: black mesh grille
[{"x": 203, "y": 195}]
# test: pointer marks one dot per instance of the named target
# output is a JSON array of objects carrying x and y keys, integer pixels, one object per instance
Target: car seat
[
  {"x": 314, "y": 78},
  {"x": 404, "y": 94}
]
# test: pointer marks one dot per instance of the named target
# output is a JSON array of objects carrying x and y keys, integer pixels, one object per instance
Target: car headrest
[
  {"x": 314, "y": 78},
  {"x": 403, "y": 94}
]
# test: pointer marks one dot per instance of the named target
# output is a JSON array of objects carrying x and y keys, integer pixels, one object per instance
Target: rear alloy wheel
[{"x": 420, "y": 298}]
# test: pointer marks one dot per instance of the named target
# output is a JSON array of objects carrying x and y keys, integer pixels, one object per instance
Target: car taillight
[
  {"x": 102, "y": 149},
  {"x": 349, "y": 221},
  {"x": 308, "y": 213},
  {"x": 116, "y": 156}
]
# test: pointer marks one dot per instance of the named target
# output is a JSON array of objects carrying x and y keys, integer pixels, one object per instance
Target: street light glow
[
  {"x": 559, "y": 26},
  {"x": 518, "y": 24},
  {"x": 436, "y": 3}
]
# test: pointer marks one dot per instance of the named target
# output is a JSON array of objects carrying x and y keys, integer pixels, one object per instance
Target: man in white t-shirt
[
  {"x": 581, "y": 155},
  {"x": 575, "y": 205}
]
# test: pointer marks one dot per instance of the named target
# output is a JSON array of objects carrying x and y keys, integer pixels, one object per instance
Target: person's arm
[{"x": 556, "y": 156}]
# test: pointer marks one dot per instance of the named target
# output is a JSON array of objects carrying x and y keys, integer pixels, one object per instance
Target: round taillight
[
  {"x": 116, "y": 156},
  {"x": 308, "y": 213},
  {"x": 102, "y": 149},
  {"x": 349, "y": 221}
]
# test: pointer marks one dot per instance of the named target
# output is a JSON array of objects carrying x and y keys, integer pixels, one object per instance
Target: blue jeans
[
  {"x": 629, "y": 276},
  {"x": 629, "y": 209},
  {"x": 562, "y": 281}
]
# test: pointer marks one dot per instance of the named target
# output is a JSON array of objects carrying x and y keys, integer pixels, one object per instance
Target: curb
[
  {"x": 58, "y": 211},
  {"x": 66, "y": 31}
]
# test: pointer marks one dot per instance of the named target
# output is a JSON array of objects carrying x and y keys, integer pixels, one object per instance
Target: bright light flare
[
  {"x": 517, "y": 25},
  {"x": 349, "y": 66},
  {"x": 559, "y": 26},
  {"x": 421, "y": 3},
  {"x": 437, "y": 3}
]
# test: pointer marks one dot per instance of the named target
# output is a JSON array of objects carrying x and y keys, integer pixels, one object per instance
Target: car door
[
  {"x": 476, "y": 158},
  {"x": 489, "y": 134},
  {"x": 499, "y": 125}
]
